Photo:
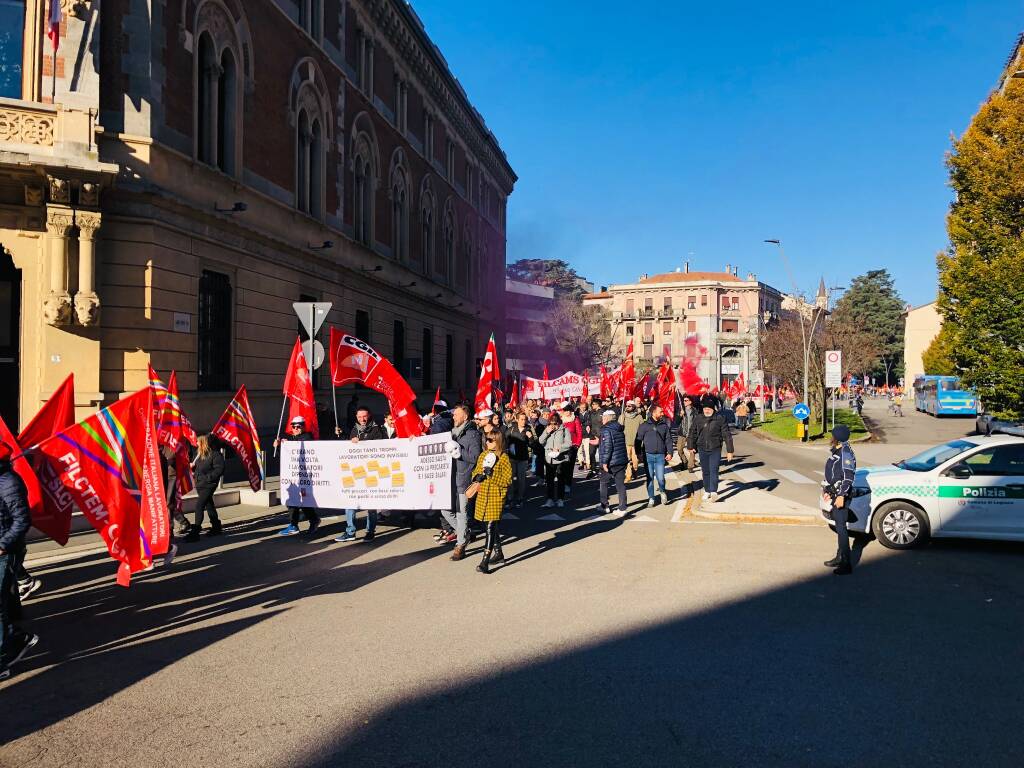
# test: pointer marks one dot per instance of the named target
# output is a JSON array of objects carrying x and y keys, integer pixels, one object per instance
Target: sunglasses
[{"x": 491, "y": 440}]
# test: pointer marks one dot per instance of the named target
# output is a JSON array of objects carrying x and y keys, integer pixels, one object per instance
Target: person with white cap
[
  {"x": 297, "y": 431},
  {"x": 613, "y": 458}
]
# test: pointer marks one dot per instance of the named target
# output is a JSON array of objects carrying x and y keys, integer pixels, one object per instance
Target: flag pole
[
  {"x": 334, "y": 399},
  {"x": 280, "y": 422}
]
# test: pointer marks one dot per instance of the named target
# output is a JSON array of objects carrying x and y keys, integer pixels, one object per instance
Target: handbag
[{"x": 471, "y": 491}]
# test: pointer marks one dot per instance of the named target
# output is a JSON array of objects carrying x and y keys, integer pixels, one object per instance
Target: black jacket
[
  {"x": 519, "y": 443},
  {"x": 654, "y": 436},
  {"x": 707, "y": 433},
  {"x": 15, "y": 517},
  {"x": 840, "y": 470},
  {"x": 442, "y": 422},
  {"x": 612, "y": 448},
  {"x": 208, "y": 471},
  {"x": 370, "y": 432}
]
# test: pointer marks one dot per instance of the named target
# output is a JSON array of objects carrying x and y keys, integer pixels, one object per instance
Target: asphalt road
[{"x": 612, "y": 641}]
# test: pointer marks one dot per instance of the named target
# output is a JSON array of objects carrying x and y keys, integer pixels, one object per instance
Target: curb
[{"x": 689, "y": 513}]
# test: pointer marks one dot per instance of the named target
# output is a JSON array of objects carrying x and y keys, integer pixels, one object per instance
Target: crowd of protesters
[{"x": 496, "y": 456}]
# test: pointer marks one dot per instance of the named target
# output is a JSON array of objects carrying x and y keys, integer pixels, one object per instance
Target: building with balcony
[
  {"x": 178, "y": 174},
  {"x": 717, "y": 310}
]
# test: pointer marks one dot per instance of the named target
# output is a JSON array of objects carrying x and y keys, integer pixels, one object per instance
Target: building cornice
[{"x": 398, "y": 23}]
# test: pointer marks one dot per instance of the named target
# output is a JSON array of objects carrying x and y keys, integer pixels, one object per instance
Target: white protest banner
[
  {"x": 569, "y": 384},
  {"x": 407, "y": 473}
]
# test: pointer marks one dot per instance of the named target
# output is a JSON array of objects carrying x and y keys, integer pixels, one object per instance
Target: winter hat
[{"x": 841, "y": 433}]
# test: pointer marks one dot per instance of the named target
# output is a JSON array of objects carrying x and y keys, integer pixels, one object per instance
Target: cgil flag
[
  {"x": 298, "y": 388},
  {"x": 490, "y": 372},
  {"x": 353, "y": 360},
  {"x": 49, "y": 515},
  {"x": 159, "y": 391},
  {"x": 174, "y": 424},
  {"x": 108, "y": 466},
  {"x": 237, "y": 428}
]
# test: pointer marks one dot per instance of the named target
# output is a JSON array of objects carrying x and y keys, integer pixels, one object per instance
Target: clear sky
[{"x": 697, "y": 130}]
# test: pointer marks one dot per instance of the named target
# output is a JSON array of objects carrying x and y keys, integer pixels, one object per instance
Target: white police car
[{"x": 972, "y": 487}]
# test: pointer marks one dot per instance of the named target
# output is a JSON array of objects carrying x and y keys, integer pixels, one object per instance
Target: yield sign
[{"x": 312, "y": 315}]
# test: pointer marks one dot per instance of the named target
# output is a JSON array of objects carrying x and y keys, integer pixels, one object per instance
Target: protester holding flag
[
  {"x": 14, "y": 523},
  {"x": 208, "y": 469},
  {"x": 297, "y": 431},
  {"x": 631, "y": 418}
]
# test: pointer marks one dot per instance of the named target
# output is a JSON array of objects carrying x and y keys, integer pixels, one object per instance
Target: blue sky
[{"x": 701, "y": 129}]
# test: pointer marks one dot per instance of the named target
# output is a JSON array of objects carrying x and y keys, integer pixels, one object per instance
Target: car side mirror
[{"x": 960, "y": 472}]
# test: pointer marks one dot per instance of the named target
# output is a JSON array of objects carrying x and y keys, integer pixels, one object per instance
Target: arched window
[
  {"x": 311, "y": 118},
  {"x": 362, "y": 215},
  {"x": 426, "y": 229},
  {"x": 222, "y": 63},
  {"x": 446, "y": 258}
]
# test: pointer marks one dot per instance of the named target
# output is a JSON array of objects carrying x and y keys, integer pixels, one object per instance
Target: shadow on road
[{"x": 898, "y": 664}]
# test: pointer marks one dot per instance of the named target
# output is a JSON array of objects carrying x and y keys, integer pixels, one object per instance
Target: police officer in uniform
[{"x": 840, "y": 468}]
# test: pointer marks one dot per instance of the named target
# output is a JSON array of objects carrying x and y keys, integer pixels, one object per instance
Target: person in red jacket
[{"x": 575, "y": 430}]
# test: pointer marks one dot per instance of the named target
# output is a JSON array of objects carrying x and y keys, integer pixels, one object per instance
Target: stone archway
[{"x": 10, "y": 338}]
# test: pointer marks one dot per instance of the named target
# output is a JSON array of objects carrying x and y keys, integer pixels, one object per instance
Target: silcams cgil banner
[
  {"x": 407, "y": 473},
  {"x": 569, "y": 384}
]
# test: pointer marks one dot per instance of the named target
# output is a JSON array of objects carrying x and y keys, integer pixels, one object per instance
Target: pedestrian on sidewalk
[
  {"x": 493, "y": 472},
  {"x": 840, "y": 469},
  {"x": 557, "y": 445},
  {"x": 365, "y": 429},
  {"x": 611, "y": 453},
  {"x": 464, "y": 450},
  {"x": 297, "y": 431},
  {"x": 631, "y": 419},
  {"x": 15, "y": 519},
  {"x": 208, "y": 469},
  {"x": 653, "y": 435},
  {"x": 707, "y": 435}
]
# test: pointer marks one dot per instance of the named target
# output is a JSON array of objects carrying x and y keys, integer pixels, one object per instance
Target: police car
[{"x": 972, "y": 487}]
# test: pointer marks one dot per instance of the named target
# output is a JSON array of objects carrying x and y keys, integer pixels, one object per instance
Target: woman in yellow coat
[{"x": 494, "y": 473}]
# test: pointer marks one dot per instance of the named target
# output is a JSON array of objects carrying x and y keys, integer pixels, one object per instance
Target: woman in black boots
[
  {"x": 208, "y": 469},
  {"x": 493, "y": 473}
]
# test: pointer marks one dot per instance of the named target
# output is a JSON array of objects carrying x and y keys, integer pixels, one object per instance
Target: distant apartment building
[
  {"x": 922, "y": 325},
  {"x": 720, "y": 310}
]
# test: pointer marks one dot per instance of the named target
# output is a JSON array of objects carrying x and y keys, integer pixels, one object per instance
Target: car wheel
[{"x": 900, "y": 525}]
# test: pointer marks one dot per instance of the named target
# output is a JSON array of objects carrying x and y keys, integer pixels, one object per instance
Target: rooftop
[
  {"x": 690, "y": 277},
  {"x": 599, "y": 295}
]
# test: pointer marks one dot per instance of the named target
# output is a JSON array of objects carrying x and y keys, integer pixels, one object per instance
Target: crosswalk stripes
[
  {"x": 643, "y": 519},
  {"x": 749, "y": 475},
  {"x": 553, "y": 518},
  {"x": 795, "y": 477}
]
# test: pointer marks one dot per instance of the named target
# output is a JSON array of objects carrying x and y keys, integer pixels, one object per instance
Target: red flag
[
  {"x": 437, "y": 396},
  {"x": 627, "y": 377},
  {"x": 108, "y": 465},
  {"x": 174, "y": 425},
  {"x": 237, "y": 428},
  {"x": 53, "y": 28},
  {"x": 353, "y": 360},
  {"x": 490, "y": 372},
  {"x": 667, "y": 390},
  {"x": 298, "y": 388},
  {"x": 586, "y": 385},
  {"x": 545, "y": 374},
  {"x": 606, "y": 387},
  {"x": 741, "y": 385},
  {"x": 159, "y": 391},
  {"x": 57, "y": 414},
  {"x": 513, "y": 400},
  {"x": 23, "y": 469}
]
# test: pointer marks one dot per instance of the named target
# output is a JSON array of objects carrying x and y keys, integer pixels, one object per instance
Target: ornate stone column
[
  {"x": 87, "y": 303},
  {"x": 57, "y": 305}
]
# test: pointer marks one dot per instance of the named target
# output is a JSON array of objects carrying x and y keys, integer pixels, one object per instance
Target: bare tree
[{"x": 582, "y": 335}]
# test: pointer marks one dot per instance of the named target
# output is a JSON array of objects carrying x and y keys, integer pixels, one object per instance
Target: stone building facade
[
  {"x": 719, "y": 310},
  {"x": 206, "y": 163}
]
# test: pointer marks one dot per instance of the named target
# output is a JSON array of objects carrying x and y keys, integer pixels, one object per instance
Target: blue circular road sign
[{"x": 801, "y": 411}]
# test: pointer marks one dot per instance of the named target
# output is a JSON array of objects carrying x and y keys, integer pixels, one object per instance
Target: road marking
[
  {"x": 795, "y": 477},
  {"x": 510, "y": 516},
  {"x": 750, "y": 475},
  {"x": 553, "y": 517},
  {"x": 643, "y": 519},
  {"x": 819, "y": 472}
]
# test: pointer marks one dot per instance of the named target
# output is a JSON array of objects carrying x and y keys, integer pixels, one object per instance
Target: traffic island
[
  {"x": 781, "y": 426},
  {"x": 739, "y": 503}
]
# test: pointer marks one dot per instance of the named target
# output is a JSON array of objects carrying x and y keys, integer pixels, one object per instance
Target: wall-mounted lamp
[
  {"x": 408, "y": 285},
  {"x": 238, "y": 207},
  {"x": 378, "y": 268},
  {"x": 325, "y": 245}
]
